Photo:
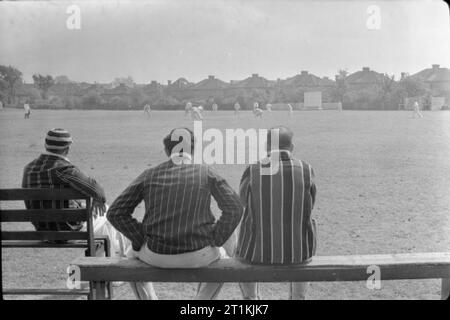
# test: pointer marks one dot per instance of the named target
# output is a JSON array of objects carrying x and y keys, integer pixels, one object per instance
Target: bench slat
[
  {"x": 29, "y": 215},
  {"x": 44, "y": 235},
  {"x": 67, "y": 292},
  {"x": 322, "y": 268},
  {"x": 42, "y": 244},
  {"x": 39, "y": 194}
]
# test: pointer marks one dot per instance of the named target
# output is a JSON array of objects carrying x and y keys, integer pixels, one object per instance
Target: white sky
[{"x": 161, "y": 40}]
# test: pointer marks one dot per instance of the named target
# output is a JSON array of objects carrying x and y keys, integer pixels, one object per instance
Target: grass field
[{"x": 383, "y": 181}]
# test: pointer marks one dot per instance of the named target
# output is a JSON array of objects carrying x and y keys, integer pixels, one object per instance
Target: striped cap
[{"x": 57, "y": 139}]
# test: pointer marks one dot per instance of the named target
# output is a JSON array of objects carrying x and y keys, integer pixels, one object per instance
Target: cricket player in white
[
  {"x": 27, "y": 110},
  {"x": 187, "y": 108},
  {"x": 237, "y": 107},
  {"x": 147, "y": 109},
  {"x": 196, "y": 114},
  {"x": 257, "y": 112},
  {"x": 215, "y": 107},
  {"x": 417, "y": 110},
  {"x": 269, "y": 107},
  {"x": 290, "y": 109}
]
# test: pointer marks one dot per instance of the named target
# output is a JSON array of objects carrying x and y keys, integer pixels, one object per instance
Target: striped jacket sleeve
[
  {"x": 228, "y": 201},
  {"x": 313, "y": 189},
  {"x": 121, "y": 210},
  {"x": 244, "y": 185},
  {"x": 79, "y": 181}
]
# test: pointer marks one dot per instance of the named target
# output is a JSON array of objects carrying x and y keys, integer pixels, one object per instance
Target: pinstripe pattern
[
  {"x": 55, "y": 172},
  {"x": 178, "y": 217},
  {"x": 277, "y": 227}
]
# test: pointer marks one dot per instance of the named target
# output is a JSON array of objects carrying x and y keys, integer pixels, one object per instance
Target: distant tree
[
  {"x": 410, "y": 87},
  {"x": 33, "y": 94},
  {"x": 137, "y": 97},
  {"x": 387, "y": 91},
  {"x": 63, "y": 80},
  {"x": 340, "y": 91},
  {"x": 3, "y": 90},
  {"x": 10, "y": 78},
  {"x": 43, "y": 83},
  {"x": 91, "y": 101}
]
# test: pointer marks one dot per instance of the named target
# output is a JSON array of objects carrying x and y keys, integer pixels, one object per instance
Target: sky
[{"x": 166, "y": 39}]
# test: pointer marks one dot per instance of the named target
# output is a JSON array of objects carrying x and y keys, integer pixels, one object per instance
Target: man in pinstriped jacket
[
  {"x": 277, "y": 227},
  {"x": 178, "y": 229}
]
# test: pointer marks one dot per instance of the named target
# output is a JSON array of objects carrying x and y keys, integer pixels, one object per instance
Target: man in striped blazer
[
  {"x": 178, "y": 229},
  {"x": 277, "y": 227},
  {"x": 53, "y": 170}
]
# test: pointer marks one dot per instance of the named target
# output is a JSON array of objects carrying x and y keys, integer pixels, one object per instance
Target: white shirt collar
[
  {"x": 48, "y": 153},
  {"x": 178, "y": 158},
  {"x": 278, "y": 151}
]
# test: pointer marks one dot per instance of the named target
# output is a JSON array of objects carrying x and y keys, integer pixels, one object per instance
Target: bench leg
[
  {"x": 445, "y": 289},
  {"x": 107, "y": 248},
  {"x": 100, "y": 290},
  {"x": 91, "y": 294}
]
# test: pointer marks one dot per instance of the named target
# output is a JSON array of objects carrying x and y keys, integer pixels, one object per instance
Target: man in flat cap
[{"x": 52, "y": 169}]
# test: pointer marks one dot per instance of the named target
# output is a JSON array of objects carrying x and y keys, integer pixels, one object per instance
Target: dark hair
[
  {"x": 284, "y": 135},
  {"x": 171, "y": 142}
]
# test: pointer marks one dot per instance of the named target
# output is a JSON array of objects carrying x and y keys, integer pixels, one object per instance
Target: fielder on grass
[
  {"x": 27, "y": 110},
  {"x": 237, "y": 107},
  {"x": 147, "y": 109},
  {"x": 257, "y": 112},
  {"x": 417, "y": 110}
]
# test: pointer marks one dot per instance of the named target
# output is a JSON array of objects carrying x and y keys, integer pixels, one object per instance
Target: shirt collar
[
  {"x": 48, "y": 153},
  {"x": 179, "y": 158},
  {"x": 280, "y": 153}
]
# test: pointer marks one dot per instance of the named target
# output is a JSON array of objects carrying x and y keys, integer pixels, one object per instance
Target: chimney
[
  {"x": 402, "y": 75},
  {"x": 169, "y": 82},
  {"x": 254, "y": 75},
  {"x": 153, "y": 82},
  {"x": 211, "y": 77},
  {"x": 435, "y": 66},
  {"x": 304, "y": 72},
  {"x": 336, "y": 77},
  {"x": 365, "y": 69}
]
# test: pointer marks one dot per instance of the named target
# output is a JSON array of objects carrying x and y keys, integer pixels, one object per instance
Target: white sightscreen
[{"x": 313, "y": 99}]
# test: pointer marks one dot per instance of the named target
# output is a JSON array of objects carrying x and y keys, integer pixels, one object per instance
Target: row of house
[{"x": 436, "y": 79}]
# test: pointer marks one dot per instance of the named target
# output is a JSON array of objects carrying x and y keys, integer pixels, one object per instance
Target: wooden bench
[
  {"x": 46, "y": 239},
  {"x": 322, "y": 268}
]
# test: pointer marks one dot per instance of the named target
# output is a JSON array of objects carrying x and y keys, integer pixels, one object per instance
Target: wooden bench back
[{"x": 47, "y": 215}]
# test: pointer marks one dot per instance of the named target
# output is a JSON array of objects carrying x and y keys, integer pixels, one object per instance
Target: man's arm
[
  {"x": 230, "y": 204},
  {"x": 313, "y": 189},
  {"x": 121, "y": 210},
  {"x": 244, "y": 185},
  {"x": 81, "y": 182}
]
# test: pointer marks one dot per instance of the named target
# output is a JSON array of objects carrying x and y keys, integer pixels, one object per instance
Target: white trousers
[
  {"x": 120, "y": 244},
  {"x": 195, "y": 259},
  {"x": 121, "y": 247}
]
